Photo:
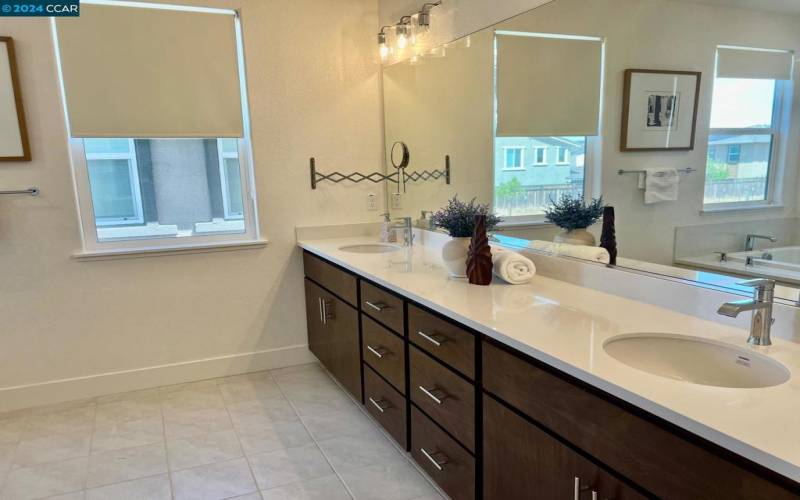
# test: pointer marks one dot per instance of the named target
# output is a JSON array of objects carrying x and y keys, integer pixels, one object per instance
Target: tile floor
[{"x": 290, "y": 433}]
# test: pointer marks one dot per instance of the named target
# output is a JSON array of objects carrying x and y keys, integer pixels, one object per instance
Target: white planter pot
[
  {"x": 454, "y": 255},
  {"x": 576, "y": 237}
]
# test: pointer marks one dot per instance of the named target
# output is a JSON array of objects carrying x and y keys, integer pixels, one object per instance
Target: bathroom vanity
[{"x": 505, "y": 392}]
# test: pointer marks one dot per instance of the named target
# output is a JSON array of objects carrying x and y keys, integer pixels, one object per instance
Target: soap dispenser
[{"x": 387, "y": 234}]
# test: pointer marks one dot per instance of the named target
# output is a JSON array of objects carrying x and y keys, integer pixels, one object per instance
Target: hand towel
[
  {"x": 661, "y": 184},
  {"x": 512, "y": 267}
]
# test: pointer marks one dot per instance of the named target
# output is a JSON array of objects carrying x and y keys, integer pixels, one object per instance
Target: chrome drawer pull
[
  {"x": 435, "y": 394},
  {"x": 594, "y": 495},
  {"x": 380, "y": 352},
  {"x": 578, "y": 489},
  {"x": 436, "y": 463},
  {"x": 433, "y": 339},
  {"x": 380, "y": 306},
  {"x": 381, "y": 405},
  {"x": 321, "y": 315}
]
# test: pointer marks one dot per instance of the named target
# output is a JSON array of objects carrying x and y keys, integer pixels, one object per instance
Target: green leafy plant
[
  {"x": 571, "y": 213},
  {"x": 458, "y": 217},
  {"x": 717, "y": 171},
  {"x": 507, "y": 190}
]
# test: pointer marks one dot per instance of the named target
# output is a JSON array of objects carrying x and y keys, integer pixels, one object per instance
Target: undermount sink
[
  {"x": 696, "y": 360},
  {"x": 370, "y": 248}
]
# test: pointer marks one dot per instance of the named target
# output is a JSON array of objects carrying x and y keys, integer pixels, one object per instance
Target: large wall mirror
[{"x": 531, "y": 110}]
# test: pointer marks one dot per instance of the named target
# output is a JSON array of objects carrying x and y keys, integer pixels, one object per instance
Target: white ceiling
[{"x": 783, "y": 6}]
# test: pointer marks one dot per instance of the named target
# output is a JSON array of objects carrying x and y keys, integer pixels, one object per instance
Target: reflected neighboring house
[
  {"x": 745, "y": 156},
  {"x": 539, "y": 161}
]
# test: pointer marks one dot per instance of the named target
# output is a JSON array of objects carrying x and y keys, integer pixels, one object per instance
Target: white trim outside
[
  {"x": 536, "y": 150},
  {"x": 133, "y": 179},
  {"x": 521, "y": 166}
]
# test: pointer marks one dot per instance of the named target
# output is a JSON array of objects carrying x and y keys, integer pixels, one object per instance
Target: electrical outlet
[
  {"x": 372, "y": 202},
  {"x": 397, "y": 201}
]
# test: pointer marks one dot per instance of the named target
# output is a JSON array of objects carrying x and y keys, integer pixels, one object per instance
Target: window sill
[
  {"x": 740, "y": 208},
  {"x": 135, "y": 253},
  {"x": 521, "y": 225}
]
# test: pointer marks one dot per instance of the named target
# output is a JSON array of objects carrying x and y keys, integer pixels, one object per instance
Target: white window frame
[
  {"x": 506, "y": 149},
  {"x": 223, "y": 178},
  {"x": 89, "y": 226},
  {"x": 559, "y": 150},
  {"x": 133, "y": 177},
  {"x": 536, "y": 161},
  {"x": 781, "y": 119}
]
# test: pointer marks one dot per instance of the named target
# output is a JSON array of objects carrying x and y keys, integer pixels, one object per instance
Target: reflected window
[
  {"x": 514, "y": 158},
  {"x": 745, "y": 127}
]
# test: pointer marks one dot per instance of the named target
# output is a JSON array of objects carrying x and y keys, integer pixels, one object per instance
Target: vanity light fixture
[
  {"x": 383, "y": 48},
  {"x": 403, "y": 30},
  {"x": 424, "y": 15}
]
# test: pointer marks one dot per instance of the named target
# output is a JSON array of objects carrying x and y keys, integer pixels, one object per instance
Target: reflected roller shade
[
  {"x": 739, "y": 62},
  {"x": 150, "y": 72},
  {"x": 548, "y": 86}
]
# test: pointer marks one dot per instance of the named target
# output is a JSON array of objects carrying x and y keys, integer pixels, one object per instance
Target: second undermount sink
[
  {"x": 696, "y": 360},
  {"x": 370, "y": 248}
]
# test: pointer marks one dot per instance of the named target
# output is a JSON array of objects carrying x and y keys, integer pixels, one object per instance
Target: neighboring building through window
[
  {"x": 528, "y": 192},
  {"x": 734, "y": 153}
]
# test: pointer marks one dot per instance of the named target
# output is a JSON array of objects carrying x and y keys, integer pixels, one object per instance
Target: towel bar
[
  {"x": 34, "y": 191},
  {"x": 680, "y": 171}
]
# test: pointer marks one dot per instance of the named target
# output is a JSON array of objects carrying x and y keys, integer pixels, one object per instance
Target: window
[
  {"x": 527, "y": 193},
  {"x": 750, "y": 115},
  {"x": 540, "y": 156},
  {"x": 155, "y": 169},
  {"x": 734, "y": 153},
  {"x": 562, "y": 154},
  {"x": 514, "y": 158}
]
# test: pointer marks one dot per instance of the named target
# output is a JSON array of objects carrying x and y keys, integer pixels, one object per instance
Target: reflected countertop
[{"x": 565, "y": 326}]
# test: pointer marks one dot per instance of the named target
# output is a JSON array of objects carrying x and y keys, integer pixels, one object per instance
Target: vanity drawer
[
  {"x": 331, "y": 277},
  {"x": 445, "y": 461},
  {"x": 445, "y": 396},
  {"x": 656, "y": 455},
  {"x": 384, "y": 306},
  {"x": 384, "y": 352},
  {"x": 385, "y": 404},
  {"x": 443, "y": 340}
]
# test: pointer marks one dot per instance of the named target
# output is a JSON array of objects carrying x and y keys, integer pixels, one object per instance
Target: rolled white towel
[
  {"x": 594, "y": 254},
  {"x": 541, "y": 246},
  {"x": 512, "y": 267}
]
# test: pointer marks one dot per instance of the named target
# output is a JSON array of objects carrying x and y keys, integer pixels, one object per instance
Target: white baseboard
[{"x": 70, "y": 389}]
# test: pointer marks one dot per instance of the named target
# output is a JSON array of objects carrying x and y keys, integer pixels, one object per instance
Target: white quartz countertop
[{"x": 565, "y": 326}]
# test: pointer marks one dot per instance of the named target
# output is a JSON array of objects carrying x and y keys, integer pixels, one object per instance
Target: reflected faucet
[
  {"x": 407, "y": 226},
  {"x": 749, "y": 242},
  {"x": 760, "y": 304}
]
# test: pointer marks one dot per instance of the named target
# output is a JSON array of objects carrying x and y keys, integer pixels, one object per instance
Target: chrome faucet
[
  {"x": 760, "y": 304},
  {"x": 749, "y": 242},
  {"x": 408, "y": 230}
]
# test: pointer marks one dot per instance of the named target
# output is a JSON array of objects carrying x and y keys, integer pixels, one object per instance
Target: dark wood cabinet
[
  {"x": 485, "y": 420},
  {"x": 333, "y": 335},
  {"x": 523, "y": 462}
]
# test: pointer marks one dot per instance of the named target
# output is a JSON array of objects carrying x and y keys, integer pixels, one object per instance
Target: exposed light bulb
[
  {"x": 402, "y": 41},
  {"x": 383, "y": 49}
]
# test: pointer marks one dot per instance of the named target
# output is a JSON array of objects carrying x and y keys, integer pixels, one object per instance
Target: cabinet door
[
  {"x": 521, "y": 461},
  {"x": 333, "y": 336}
]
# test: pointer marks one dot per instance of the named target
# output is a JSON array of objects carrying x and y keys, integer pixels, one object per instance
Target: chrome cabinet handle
[
  {"x": 433, "y": 339},
  {"x": 594, "y": 495},
  {"x": 578, "y": 489},
  {"x": 326, "y": 313},
  {"x": 435, "y": 394},
  {"x": 378, "y": 306},
  {"x": 380, "y": 352},
  {"x": 321, "y": 316},
  {"x": 440, "y": 463},
  {"x": 381, "y": 404}
]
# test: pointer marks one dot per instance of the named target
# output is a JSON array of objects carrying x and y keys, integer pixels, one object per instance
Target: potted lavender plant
[
  {"x": 573, "y": 216},
  {"x": 458, "y": 219}
]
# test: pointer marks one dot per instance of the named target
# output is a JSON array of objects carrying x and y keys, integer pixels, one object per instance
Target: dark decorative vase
[
  {"x": 608, "y": 238},
  {"x": 479, "y": 258}
]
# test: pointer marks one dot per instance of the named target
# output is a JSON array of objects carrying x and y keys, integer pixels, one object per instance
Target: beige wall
[{"x": 314, "y": 84}]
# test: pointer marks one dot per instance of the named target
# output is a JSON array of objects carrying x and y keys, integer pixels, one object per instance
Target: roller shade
[
  {"x": 150, "y": 72},
  {"x": 736, "y": 62},
  {"x": 548, "y": 86}
]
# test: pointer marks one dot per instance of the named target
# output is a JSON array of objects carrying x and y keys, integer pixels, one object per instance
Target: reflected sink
[
  {"x": 696, "y": 360},
  {"x": 370, "y": 248}
]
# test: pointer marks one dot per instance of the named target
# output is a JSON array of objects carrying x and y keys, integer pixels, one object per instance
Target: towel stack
[{"x": 512, "y": 267}]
